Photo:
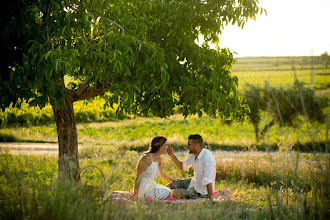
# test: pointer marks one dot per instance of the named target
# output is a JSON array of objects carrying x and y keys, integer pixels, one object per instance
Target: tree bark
[{"x": 68, "y": 160}]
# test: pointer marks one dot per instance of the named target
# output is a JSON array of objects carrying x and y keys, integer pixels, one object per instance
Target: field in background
[{"x": 278, "y": 72}]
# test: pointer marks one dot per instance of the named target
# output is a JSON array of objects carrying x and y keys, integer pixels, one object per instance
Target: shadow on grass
[{"x": 8, "y": 137}]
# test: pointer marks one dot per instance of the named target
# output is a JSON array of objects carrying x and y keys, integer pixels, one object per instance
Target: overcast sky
[{"x": 291, "y": 28}]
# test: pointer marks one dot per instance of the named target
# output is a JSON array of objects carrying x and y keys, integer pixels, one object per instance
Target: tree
[
  {"x": 253, "y": 98},
  {"x": 140, "y": 54},
  {"x": 284, "y": 106},
  {"x": 325, "y": 59}
]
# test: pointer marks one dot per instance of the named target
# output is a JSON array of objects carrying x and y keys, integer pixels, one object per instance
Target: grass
[
  {"x": 135, "y": 134},
  {"x": 278, "y": 72},
  {"x": 282, "y": 78},
  {"x": 281, "y": 185}
]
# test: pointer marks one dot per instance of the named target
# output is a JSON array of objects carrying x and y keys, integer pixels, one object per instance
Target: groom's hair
[{"x": 196, "y": 139}]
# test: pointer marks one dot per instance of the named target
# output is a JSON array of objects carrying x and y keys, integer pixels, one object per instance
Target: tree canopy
[{"x": 143, "y": 52}]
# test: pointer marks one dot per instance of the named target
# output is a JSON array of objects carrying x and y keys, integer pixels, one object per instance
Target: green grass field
[
  {"x": 135, "y": 134},
  {"x": 264, "y": 186},
  {"x": 260, "y": 69}
]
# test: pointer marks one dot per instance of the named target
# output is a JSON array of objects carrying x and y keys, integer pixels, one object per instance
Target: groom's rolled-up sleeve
[{"x": 208, "y": 172}]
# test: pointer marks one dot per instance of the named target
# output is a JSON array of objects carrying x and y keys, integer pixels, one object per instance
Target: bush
[
  {"x": 7, "y": 137},
  {"x": 25, "y": 115}
]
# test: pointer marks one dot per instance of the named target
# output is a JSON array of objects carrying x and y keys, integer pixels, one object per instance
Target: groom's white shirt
[{"x": 204, "y": 170}]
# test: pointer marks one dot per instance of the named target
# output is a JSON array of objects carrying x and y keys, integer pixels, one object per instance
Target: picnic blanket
[{"x": 126, "y": 197}]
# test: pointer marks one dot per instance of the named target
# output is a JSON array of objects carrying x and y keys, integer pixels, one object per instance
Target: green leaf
[
  {"x": 57, "y": 6},
  {"x": 47, "y": 54}
]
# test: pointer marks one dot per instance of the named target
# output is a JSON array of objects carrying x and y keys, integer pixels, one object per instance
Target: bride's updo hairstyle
[
  {"x": 156, "y": 143},
  {"x": 154, "y": 146}
]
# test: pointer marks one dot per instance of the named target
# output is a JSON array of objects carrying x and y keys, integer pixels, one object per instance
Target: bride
[{"x": 149, "y": 167}]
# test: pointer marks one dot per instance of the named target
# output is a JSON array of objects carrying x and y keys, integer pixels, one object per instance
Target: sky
[{"x": 291, "y": 28}]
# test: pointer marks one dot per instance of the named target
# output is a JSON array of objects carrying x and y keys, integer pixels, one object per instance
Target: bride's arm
[
  {"x": 162, "y": 174},
  {"x": 142, "y": 166}
]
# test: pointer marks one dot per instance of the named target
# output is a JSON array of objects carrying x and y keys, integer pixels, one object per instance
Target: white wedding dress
[{"x": 148, "y": 188}]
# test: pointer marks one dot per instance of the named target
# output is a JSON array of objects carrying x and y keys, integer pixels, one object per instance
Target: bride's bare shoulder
[{"x": 145, "y": 159}]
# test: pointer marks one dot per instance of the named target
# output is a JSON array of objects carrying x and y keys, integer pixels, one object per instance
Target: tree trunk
[
  {"x": 266, "y": 128},
  {"x": 256, "y": 131},
  {"x": 68, "y": 161}
]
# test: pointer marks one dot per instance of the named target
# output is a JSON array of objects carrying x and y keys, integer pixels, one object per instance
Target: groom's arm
[
  {"x": 175, "y": 160},
  {"x": 209, "y": 188}
]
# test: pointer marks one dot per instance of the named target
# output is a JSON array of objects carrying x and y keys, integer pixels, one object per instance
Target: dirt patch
[{"x": 30, "y": 148}]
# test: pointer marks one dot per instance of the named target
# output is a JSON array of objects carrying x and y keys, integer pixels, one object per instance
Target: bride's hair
[{"x": 155, "y": 144}]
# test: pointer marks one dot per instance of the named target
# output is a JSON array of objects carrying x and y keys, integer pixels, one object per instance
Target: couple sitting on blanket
[{"x": 150, "y": 166}]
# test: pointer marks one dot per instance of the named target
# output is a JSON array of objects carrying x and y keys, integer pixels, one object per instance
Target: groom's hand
[
  {"x": 169, "y": 150},
  {"x": 174, "y": 159}
]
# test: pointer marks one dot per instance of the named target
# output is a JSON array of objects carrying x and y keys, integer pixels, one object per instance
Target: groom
[{"x": 201, "y": 159}]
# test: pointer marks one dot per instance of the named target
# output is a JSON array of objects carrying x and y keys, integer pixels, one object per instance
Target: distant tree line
[
  {"x": 324, "y": 59},
  {"x": 307, "y": 61}
]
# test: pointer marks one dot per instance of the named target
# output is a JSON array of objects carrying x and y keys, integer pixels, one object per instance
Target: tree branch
[
  {"x": 82, "y": 88},
  {"x": 87, "y": 93},
  {"x": 122, "y": 34}
]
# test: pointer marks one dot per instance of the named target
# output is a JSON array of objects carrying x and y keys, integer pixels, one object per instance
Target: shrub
[
  {"x": 7, "y": 137},
  {"x": 25, "y": 115}
]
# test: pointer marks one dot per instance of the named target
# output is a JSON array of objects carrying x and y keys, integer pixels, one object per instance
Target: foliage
[
  {"x": 286, "y": 106},
  {"x": 325, "y": 59},
  {"x": 11, "y": 49},
  {"x": 7, "y": 137},
  {"x": 26, "y": 115},
  {"x": 109, "y": 47},
  {"x": 281, "y": 184}
]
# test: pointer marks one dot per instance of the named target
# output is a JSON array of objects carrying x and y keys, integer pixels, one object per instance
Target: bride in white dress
[{"x": 148, "y": 168}]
